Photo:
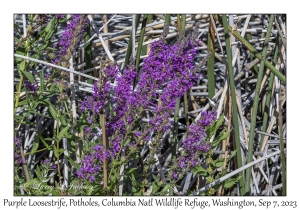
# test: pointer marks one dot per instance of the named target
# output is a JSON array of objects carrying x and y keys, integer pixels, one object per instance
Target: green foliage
[
  {"x": 199, "y": 170},
  {"x": 211, "y": 130},
  {"x": 228, "y": 183},
  {"x": 211, "y": 164},
  {"x": 220, "y": 138},
  {"x": 48, "y": 106}
]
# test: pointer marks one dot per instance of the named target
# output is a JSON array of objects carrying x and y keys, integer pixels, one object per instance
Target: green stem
[
  {"x": 269, "y": 93},
  {"x": 102, "y": 116},
  {"x": 140, "y": 44},
  {"x": 175, "y": 129},
  {"x": 254, "y": 69},
  {"x": 88, "y": 51},
  {"x": 57, "y": 149},
  {"x": 233, "y": 98},
  {"x": 210, "y": 66},
  {"x": 129, "y": 48},
  {"x": 141, "y": 39},
  {"x": 282, "y": 156},
  {"x": 182, "y": 22},
  {"x": 18, "y": 93},
  {"x": 149, "y": 20},
  {"x": 255, "y": 106}
]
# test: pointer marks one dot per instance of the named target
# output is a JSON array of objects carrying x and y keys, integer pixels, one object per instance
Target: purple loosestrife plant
[
  {"x": 196, "y": 141},
  {"x": 70, "y": 38},
  {"x": 168, "y": 68}
]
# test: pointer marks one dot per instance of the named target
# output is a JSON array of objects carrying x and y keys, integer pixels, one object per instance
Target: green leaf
[
  {"x": 49, "y": 139},
  {"x": 63, "y": 120},
  {"x": 53, "y": 112},
  {"x": 73, "y": 163},
  {"x": 44, "y": 99},
  {"x": 218, "y": 162},
  {"x": 16, "y": 40},
  {"x": 42, "y": 77},
  {"x": 55, "y": 192},
  {"x": 22, "y": 65},
  {"x": 22, "y": 103},
  {"x": 35, "y": 145},
  {"x": 116, "y": 163},
  {"x": 221, "y": 137},
  {"x": 29, "y": 76},
  {"x": 35, "y": 56},
  {"x": 61, "y": 151},
  {"x": 214, "y": 127},
  {"x": 233, "y": 153},
  {"x": 219, "y": 122},
  {"x": 43, "y": 140},
  {"x": 18, "y": 118},
  {"x": 80, "y": 126},
  {"x": 41, "y": 48},
  {"x": 63, "y": 20},
  {"x": 50, "y": 25},
  {"x": 38, "y": 172},
  {"x": 155, "y": 187},
  {"x": 134, "y": 184},
  {"x": 134, "y": 156},
  {"x": 156, "y": 178},
  {"x": 37, "y": 113},
  {"x": 48, "y": 36},
  {"x": 228, "y": 183},
  {"x": 126, "y": 142},
  {"x": 56, "y": 154},
  {"x": 164, "y": 191},
  {"x": 63, "y": 132},
  {"x": 73, "y": 137},
  {"x": 199, "y": 170},
  {"x": 73, "y": 143},
  {"x": 20, "y": 51}
]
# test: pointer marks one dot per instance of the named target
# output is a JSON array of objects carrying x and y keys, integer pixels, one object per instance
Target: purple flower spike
[
  {"x": 70, "y": 38},
  {"x": 60, "y": 16},
  {"x": 196, "y": 141},
  {"x": 31, "y": 87}
]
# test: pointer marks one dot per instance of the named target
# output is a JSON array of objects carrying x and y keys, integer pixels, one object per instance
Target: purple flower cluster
[
  {"x": 31, "y": 87},
  {"x": 92, "y": 163},
  {"x": 126, "y": 105},
  {"x": 70, "y": 38},
  {"x": 47, "y": 164},
  {"x": 60, "y": 16},
  {"x": 168, "y": 68},
  {"x": 171, "y": 70},
  {"x": 96, "y": 102},
  {"x": 18, "y": 158},
  {"x": 124, "y": 101},
  {"x": 196, "y": 142}
]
